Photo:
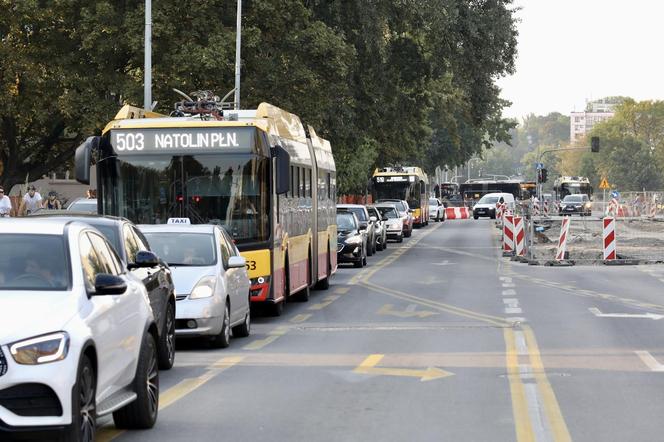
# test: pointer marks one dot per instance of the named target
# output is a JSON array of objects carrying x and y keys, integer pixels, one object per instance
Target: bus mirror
[
  {"x": 282, "y": 169},
  {"x": 83, "y": 159}
]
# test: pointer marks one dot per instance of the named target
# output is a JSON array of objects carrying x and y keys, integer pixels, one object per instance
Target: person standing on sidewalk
[
  {"x": 5, "y": 204},
  {"x": 31, "y": 202}
]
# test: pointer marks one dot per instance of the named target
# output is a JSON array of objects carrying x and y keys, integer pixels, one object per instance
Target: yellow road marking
[
  {"x": 177, "y": 392},
  {"x": 551, "y": 407},
  {"x": 388, "y": 309},
  {"x": 342, "y": 290},
  {"x": 328, "y": 300},
  {"x": 368, "y": 366},
  {"x": 300, "y": 318},
  {"x": 272, "y": 336},
  {"x": 524, "y": 430}
]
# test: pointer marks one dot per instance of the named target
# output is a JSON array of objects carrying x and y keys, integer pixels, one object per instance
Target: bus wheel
[
  {"x": 324, "y": 283},
  {"x": 277, "y": 308}
]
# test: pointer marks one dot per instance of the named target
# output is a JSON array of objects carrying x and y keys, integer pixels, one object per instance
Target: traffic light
[
  {"x": 542, "y": 175},
  {"x": 594, "y": 144}
]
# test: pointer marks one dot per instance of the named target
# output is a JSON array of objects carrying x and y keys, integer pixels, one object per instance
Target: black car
[
  {"x": 351, "y": 240},
  {"x": 134, "y": 251},
  {"x": 366, "y": 223},
  {"x": 579, "y": 203}
]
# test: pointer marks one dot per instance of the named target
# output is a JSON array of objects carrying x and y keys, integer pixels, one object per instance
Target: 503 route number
[
  {"x": 129, "y": 141},
  {"x": 251, "y": 265}
]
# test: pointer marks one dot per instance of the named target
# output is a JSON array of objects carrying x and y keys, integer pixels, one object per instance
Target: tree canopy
[{"x": 386, "y": 81}]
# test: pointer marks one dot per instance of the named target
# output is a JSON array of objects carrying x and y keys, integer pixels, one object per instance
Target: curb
[
  {"x": 621, "y": 262},
  {"x": 563, "y": 263}
]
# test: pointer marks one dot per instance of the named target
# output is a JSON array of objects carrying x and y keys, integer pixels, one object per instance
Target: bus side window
[
  {"x": 301, "y": 180},
  {"x": 308, "y": 184},
  {"x": 291, "y": 191},
  {"x": 328, "y": 185}
]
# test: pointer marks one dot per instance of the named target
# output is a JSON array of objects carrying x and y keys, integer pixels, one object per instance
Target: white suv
[{"x": 77, "y": 339}]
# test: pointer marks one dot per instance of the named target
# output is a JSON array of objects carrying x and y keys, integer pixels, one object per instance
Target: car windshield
[
  {"x": 433, "y": 202},
  {"x": 27, "y": 267},
  {"x": 183, "y": 249},
  {"x": 345, "y": 221},
  {"x": 486, "y": 199},
  {"x": 83, "y": 206},
  {"x": 359, "y": 213},
  {"x": 389, "y": 212},
  {"x": 572, "y": 199}
]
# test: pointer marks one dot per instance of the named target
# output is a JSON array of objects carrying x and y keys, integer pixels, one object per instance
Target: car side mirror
[
  {"x": 384, "y": 218},
  {"x": 363, "y": 226},
  {"x": 373, "y": 219},
  {"x": 106, "y": 284},
  {"x": 144, "y": 259},
  {"x": 235, "y": 262}
]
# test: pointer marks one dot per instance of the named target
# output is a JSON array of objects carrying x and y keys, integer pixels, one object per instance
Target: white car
[
  {"x": 78, "y": 337},
  {"x": 486, "y": 206},
  {"x": 211, "y": 281},
  {"x": 394, "y": 223},
  {"x": 436, "y": 210}
]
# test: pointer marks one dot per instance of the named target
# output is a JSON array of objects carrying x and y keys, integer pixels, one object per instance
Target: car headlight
[
  {"x": 354, "y": 240},
  {"x": 204, "y": 288},
  {"x": 41, "y": 349}
]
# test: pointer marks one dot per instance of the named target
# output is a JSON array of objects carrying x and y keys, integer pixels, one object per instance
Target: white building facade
[{"x": 582, "y": 122}]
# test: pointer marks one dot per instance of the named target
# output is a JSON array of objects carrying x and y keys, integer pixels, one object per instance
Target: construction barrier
[
  {"x": 457, "y": 213},
  {"x": 508, "y": 234},
  {"x": 562, "y": 240},
  {"x": 609, "y": 238},
  {"x": 519, "y": 236},
  {"x": 546, "y": 208}
]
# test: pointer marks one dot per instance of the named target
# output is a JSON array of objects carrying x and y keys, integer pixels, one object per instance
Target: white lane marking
[
  {"x": 514, "y": 319},
  {"x": 443, "y": 263},
  {"x": 505, "y": 278},
  {"x": 513, "y": 310},
  {"x": 521, "y": 345},
  {"x": 509, "y": 292},
  {"x": 655, "y": 317},
  {"x": 649, "y": 360},
  {"x": 508, "y": 285},
  {"x": 511, "y": 302}
]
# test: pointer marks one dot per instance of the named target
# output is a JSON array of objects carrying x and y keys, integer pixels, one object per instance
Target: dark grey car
[{"x": 365, "y": 223}]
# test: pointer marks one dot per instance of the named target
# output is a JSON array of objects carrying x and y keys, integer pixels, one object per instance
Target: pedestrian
[
  {"x": 91, "y": 194},
  {"x": 31, "y": 201},
  {"x": 52, "y": 203},
  {"x": 5, "y": 204}
]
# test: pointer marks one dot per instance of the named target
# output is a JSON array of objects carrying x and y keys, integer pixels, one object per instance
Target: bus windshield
[{"x": 227, "y": 189}]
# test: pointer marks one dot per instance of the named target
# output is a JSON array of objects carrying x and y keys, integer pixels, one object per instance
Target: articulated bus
[
  {"x": 405, "y": 183},
  {"x": 572, "y": 185},
  {"x": 259, "y": 173},
  {"x": 475, "y": 189}
]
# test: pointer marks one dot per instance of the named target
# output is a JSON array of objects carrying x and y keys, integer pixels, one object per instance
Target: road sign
[
  {"x": 604, "y": 184},
  {"x": 615, "y": 194},
  {"x": 539, "y": 166}
]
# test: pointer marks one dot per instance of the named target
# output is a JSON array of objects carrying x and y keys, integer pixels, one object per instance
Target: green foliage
[{"x": 387, "y": 81}]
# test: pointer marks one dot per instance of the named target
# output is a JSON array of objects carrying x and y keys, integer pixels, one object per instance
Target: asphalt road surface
[{"x": 438, "y": 339}]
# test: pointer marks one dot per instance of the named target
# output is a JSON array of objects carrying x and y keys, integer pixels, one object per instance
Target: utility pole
[
  {"x": 147, "y": 80},
  {"x": 238, "y": 58}
]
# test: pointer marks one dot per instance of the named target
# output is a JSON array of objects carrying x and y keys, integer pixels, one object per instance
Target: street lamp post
[
  {"x": 147, "y": 80},
  {"x": 238, "y": 41}
]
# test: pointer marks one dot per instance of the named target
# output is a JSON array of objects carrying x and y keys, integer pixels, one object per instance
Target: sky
[{"x": 573, "y": 50}]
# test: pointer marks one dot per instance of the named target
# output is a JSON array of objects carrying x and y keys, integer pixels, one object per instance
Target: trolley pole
[
  {"x": 238, "y": 58},
  {"x": 147, "y": 80}
]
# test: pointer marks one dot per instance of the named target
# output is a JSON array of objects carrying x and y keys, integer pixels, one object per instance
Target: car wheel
[
  {"x": 358, "y": 263},
  {"x": 223, "y": 339},
  {"x": 407, "y": 233},
  {"x": 243, "y": 330},
  {"x": 364, "y": 260},
  {"x": 369, "y": 247},
  {"x": 166, "y": 350},
  {"x": 83, "y": 407},
  {"x": 142, "y": 413},
  {"x": 400, "y": 238},
  {"x": 385, "y": 242},
  {"x": 476, "y": 217}
]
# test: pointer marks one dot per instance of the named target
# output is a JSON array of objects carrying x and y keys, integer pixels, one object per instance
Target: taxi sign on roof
[{"x": 179, "y": 221}]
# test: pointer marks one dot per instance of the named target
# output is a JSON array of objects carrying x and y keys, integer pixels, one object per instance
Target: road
[{"x": 439, "y": 338}]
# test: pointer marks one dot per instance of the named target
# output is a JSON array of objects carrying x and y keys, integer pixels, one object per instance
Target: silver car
[
  {"x": 210, "y": 276},
  {"x": 380, "y": 227}
]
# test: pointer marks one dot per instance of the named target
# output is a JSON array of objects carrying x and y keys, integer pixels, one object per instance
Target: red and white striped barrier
[
  {"x": 536, "y": 207},
  {"x": 609, "y": 238},
  {"x": 519, "y": 236},
  {"x": 457, "y": 213},
  {"x": 508, "y": 234},
  {"x": 499, "y": 211},
  {"x": 562, "y": 241},
  {"x": 652, "y": 212},
  {"x": 546, "y": 208}
]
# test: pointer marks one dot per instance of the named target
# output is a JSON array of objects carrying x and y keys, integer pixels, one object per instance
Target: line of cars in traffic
[
  {"x": 364, "y": 229},
  {"x": 88, "y": 314}
]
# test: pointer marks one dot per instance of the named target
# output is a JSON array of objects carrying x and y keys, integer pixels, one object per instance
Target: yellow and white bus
[
  {"x": 259, "y": 173},
  {"x": 405, "y": 183}
]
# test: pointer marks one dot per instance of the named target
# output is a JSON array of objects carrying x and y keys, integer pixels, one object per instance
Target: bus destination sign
[{"x": 181, "y": 139}]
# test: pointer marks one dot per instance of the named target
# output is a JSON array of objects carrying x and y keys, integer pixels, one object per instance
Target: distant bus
[
  {"x": 404, "y": 183},
  {"x": 473, "y": 190},
  {"x": 528, "y": 190},
  {"x": 259, "y": 173},
  {"x": 446, "y": 190},
  {"x": 571, "y": 185}
]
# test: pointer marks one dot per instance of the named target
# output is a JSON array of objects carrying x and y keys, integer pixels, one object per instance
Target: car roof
[
  {"x": 350, "y": 206},
  {"x": 84, "y": 217},
  {"x": 179, "y": 228},
  {"x": 55, "y": 226}
]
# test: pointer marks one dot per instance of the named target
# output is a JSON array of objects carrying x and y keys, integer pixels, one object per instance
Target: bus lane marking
[
  {"x": 272, "y": 336},
  {"x": 650, "y": 361},
  {"x": 300, "y": 318},
  {"x": 328, "y": 300},
  {"x": 177, "y": 392},
  {"x": 368, "y": 366},
  {"x": 410, "y": 312}
]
